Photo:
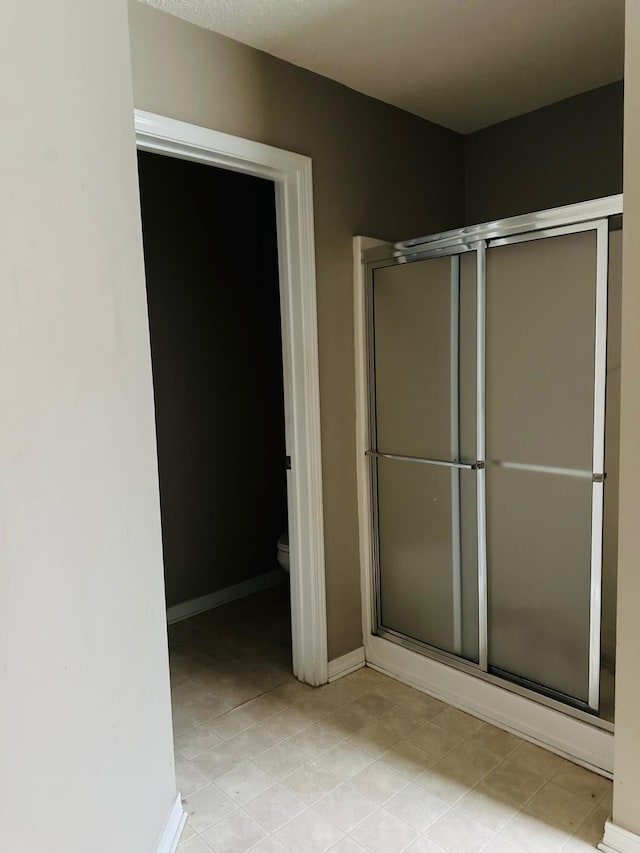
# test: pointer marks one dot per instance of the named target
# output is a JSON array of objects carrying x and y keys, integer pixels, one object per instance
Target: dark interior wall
[
  {"x": 567, "y": 152},
  {"x": 212, "y": 289}
]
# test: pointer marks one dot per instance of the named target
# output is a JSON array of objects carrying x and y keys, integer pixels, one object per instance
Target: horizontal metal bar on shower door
[
  {"x": 545, "y": 233},
  {"x": 467, "y": 466},
  {"x": 543, "y": 469}
]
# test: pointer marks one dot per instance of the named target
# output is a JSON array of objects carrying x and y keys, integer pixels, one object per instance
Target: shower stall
[{"x": 492, "y": 363}]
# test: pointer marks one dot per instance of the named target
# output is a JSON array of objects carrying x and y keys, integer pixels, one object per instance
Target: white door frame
[{"x": 291, "y": 174}]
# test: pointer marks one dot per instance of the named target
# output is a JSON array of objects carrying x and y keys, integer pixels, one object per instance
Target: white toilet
[{"x": 283, "y": 551}]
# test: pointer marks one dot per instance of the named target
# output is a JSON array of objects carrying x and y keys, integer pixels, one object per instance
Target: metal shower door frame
[{"x": 589, "y": 216}]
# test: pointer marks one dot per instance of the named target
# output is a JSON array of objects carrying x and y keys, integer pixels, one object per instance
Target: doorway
[{"x": 292, "y": 186}]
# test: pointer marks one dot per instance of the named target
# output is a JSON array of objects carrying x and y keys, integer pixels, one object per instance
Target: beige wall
[
  {"x": 627, "y": 742},
  {"x": 85, "y": 737},
  {"x": 377, "y": 171}
]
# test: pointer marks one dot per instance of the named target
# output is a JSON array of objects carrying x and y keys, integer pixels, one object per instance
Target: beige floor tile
[
  {"x": 314, "y": 740},
  {"x": 287, "y": 723},
  {"x": 207, "y": 707},
  {"x": 471, "y": 759},
  {"x": 402, "y": 721},
  {"x": 578, "y": 845},
  {"x": 345, "y": 760},
  {"x": 457, "y": 722},
  {"x": 375, "y": 739},
  {"x": 292, "y": 692},
  {"x": 538, "y": 760},
  {"x": 560, "y": 806},
  {"x": 236, "y": 833},
  {"x": 263, "y": 707},
  {"x": 269, "y": 845},
  {"x": 457, "y": 833},
  {"x": 370, "y": 706},
  {"x": 315, "y": 707},
  {"x": 383, "y": 832},
  {"x": 345, "y": 721},
  {"x": 495, "y": 740},
  {"x": 346, "y": 845},
  {"x": 188, "y": 693},
  {"x": 379, "y": 782},
  {"x": 501, "y": 845},
  {"x": 311, "y": 782},
  {"x": 255, "y": 740},
  {"x": 310, "y": 832},
  {"x": 215, "y": 762},
  {"x": 245, "y": 782},
  {"x": 408, "y": 759},
  {"x": 346, "y": 807},
  {"x": 606, "y": 801},
  {"x": 195, "y": 741},
  {"x": 281, "y": 760},
  {"x": 417, "y": 807},
  {"x": 395, "y": 691},
  {"x": 582, "y": 782},
  {"x": 189, "y": 779},
  {"x": 275, "y": 807},
  {"x": 427, "y": 705},
  {"x": 182, "y": 721},
  {"x": 368, "y": 678},
  {"x": 186, "y": 834},
  {"x": 514, "y": 782},
  {"x": 207, "y": 807},
  {"x": 424, "y": 845},
  {"x": 488, "y": 807},
  {"x": 238, "y": 692},
  {"x": 592, "y": 828},
  {"x": 230, "y": 724},
  {"x": 449, "y": 786},
  {"x": 342, "y": 691},
  {"x": 195, "y": 845},
  {"x": 434, "y": 740},
  {"x": 535, "y": 834}
]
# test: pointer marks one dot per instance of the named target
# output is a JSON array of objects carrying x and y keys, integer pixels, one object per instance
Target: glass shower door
[
  {"x": 543, "y": 616},
  {"x": 423, "y": 361}
]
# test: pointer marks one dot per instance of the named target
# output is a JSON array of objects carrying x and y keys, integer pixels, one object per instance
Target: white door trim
[
  {"x": 173, "y": 827},
  {"x": 291, "y": 174},
  {"x": 583, "y": 743},
  {"x": 619, "y": 840}
]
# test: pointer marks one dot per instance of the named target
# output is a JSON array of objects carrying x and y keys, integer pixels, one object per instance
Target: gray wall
[
  {"x": 377, "y": 171},
  {"x": 212, "y": 288},
  {"x": 567, "y": 152}
]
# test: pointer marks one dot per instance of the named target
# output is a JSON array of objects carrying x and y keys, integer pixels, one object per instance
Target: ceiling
[{"x": 464, "y": 64}]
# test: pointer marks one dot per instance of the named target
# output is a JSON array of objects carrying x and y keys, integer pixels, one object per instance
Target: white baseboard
[
  {"x": 339, "y": 667},
  {"x": 619, "y": 840},
  {"x": 173, "y": 827},
  {"x": 223, "y": 596},
  {"x": 580, "y": 742}
]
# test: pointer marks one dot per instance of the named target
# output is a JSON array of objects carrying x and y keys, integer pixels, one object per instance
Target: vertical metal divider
[
  {"x": 373, "y": 444},
  {"x": 481, "y": 492},
  {"x": 456, "y": 534},
  {"x": 597, "y": 503}
]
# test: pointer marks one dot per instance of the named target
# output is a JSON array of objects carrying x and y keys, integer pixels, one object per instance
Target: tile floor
[{"x": 268, "y": 765}]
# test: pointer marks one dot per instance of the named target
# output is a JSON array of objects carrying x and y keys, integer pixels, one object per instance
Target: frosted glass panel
[
  {"x": 540, "y": 351},
  {"x": 538, "y": 551},
  {"x": 418, "y": 316},
  {"x": 428, "y": 577}
]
